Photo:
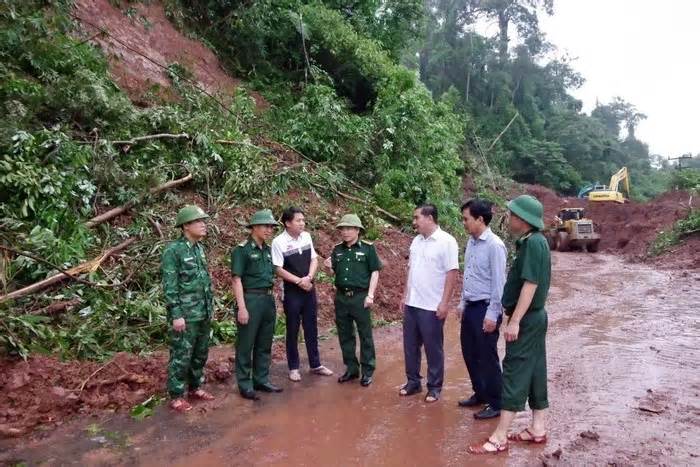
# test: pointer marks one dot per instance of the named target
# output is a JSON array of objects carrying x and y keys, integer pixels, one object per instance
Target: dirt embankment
[
  {"x": 141, "y": 40},
  {"x": 630, "y": 228},
  {"x": 43, "y": 392}
]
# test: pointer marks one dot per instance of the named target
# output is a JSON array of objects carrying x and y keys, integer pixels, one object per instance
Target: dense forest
[{"x": 399, "y": 99}]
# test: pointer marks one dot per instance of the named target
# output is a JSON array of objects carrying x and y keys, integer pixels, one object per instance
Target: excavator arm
[{"x": 620, "y": 176}]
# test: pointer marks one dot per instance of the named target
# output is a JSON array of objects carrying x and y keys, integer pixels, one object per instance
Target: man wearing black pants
[
  {"x": 295, "y": 261},
  {"x": 480, "y": 308}
]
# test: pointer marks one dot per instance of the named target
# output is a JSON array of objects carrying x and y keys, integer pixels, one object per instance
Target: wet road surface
[{"x": 623, "y": 371}]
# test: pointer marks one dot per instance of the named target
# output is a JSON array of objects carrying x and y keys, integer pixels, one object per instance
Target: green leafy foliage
[
  {"x": 690, "y": 225},
  {"x": 146, "y": 408}
]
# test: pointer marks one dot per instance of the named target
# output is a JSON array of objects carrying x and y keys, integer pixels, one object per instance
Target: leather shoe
[
  {"x": 366, "y": 381},
  {"x": 473, "y": 401},
  {"x": 268, "y": 387},
  {"x": 486, "y": 413},
  {"x": 347, "y": 377},
  {"x": 249, "y": 394}
]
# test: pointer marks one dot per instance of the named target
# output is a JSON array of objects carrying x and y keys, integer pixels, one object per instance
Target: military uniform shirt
[
  {"x": 186, "y": 281},
  {"x": 353, "y": 265},
  {"x": 532, "y": 264},
  {"x": 253, "y": 264}
]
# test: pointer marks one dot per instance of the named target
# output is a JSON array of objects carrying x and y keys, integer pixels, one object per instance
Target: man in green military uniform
[
  {"x": 524, "y": 297},
  {"x": 189, "y": 301},
  {"x": 253, "y": 275},
  {"x": 356, "y": 266}
]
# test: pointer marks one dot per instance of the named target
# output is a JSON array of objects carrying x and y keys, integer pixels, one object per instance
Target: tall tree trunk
[{"x": 503, "y": 21}]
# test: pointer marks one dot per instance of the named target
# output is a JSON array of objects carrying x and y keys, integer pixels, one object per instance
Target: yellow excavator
[{"x": 611, "y": 192}]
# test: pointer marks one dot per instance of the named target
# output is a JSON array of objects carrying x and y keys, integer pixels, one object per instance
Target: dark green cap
[
  {"x": 188, "y": 214},
  {"x": 350, "y": 220},
  {"x": 529, "y": 209},
  {"x": 263, "y": 217}
]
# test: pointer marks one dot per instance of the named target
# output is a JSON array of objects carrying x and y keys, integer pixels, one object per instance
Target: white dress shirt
[{"x": 430, "y": 260}]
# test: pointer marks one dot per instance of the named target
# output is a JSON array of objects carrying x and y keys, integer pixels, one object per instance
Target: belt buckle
[{"x": 349, "y": 293}]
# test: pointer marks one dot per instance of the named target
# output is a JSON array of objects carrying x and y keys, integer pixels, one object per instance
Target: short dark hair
[
  {"x": 479, "y": 208},
  {"x": 289, "y": 213},
  {"x": 429, "y": 209}
]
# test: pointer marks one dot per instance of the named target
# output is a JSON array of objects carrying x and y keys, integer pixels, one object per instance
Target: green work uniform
[
  {"x": 188, "y": 295},
  {"x": 353, "y": 266},
  {"x": 253, "y": 264},
  {"x": 525, "y": 363}
]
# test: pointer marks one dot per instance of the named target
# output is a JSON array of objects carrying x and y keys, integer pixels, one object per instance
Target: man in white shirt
[
  {"x": 432, "y": 275},
  {"x": 295, "y": 261}
]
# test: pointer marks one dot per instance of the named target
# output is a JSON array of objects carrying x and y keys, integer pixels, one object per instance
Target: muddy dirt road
[{"x": 624, "y": 388}]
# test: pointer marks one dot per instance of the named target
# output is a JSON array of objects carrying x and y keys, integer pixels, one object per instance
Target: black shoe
[
  {"x": 249, "y": 394},
  {"x": 347, "y": 377},
  {"x": 366, "y": 381},
  {"x": 486, "y": 413},
  {"x": 268, "y": 387},
  {"x": 473, "y": 401}
]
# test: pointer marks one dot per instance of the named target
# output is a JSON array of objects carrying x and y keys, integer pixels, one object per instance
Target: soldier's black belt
[
  {"x": 349, "y": 292},
  {"x": 259, "y": 291}
]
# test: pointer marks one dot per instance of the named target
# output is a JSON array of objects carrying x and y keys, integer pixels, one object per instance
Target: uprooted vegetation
[
  {"x": 97, "y": 155},
  {"x": 75, "y": 150}
]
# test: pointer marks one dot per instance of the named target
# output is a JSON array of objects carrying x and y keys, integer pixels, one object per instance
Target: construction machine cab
[
  {"x": 572, "y": 230},
  {"x": 568, "y": 214}
]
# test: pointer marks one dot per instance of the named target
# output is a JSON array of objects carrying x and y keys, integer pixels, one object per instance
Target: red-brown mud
[
  {"x": 144, "y": 27},
  {"x": 630, "y": 228},
  {"x": 624, "y": 389}
]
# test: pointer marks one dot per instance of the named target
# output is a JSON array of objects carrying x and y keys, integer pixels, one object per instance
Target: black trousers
[
  {"x": 480, "y": 354},
  {"x": 300, "y": 308},
  {"x": 422, "y": 328}
]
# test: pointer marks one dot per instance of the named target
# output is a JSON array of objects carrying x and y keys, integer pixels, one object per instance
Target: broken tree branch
[
  {"x": 62, "y": 275},
  {"x": 517, "y": 114},
  {"x": 359, "y": 200},
  {"x": 112, "y": 213},
  {"x": 56, "y": 308},
  {"x": 139, "y": 139}
]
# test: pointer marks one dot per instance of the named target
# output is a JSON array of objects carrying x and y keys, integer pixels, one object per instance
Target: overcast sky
[{"x": 645, "y": 51}]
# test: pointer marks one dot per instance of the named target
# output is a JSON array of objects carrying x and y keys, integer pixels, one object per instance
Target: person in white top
[
  {"x": 431, "y": 279},
  {"x": 296, "y": 262}
]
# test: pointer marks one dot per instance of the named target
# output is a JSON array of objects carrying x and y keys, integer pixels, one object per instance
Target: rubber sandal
[
  {"x": 518, "y": 437},
  {"x": 180, "y": 405},
  {"x": 202, "y": 395},
  {"x": 406, "y": 391},
  {"x": 431, "y": 397},
  {"x": 480, "y": 449}
]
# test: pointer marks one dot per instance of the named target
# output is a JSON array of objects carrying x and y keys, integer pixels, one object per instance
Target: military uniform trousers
[
  {"x": 350, "y": 311},
  {"x": 525, "y": 365},
  {"x": 188, "y": 356},
  {"x": 254, "y": 340}
]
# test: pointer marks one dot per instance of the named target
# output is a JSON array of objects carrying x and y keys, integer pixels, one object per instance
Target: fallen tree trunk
[
  {"x": 138, "y": 139},
  {"x": 56, "y": 308},
  {"x": 89, "y": 266},
  {"x": 112, "y": 213},
  {"x": 359, "y": 200}
]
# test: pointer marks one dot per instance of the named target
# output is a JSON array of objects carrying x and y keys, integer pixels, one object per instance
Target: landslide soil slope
[
  {"x": 44, "y": 392},
  {"x": 629, "y": 229},
  {"x": 623, "y": 390}
]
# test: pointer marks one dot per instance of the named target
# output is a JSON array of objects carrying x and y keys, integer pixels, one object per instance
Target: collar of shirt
[
  {"x": 432, "y": 236},
  {"x": 483, "y": 237},
  {"x": 254, "y": 244},
  {"x": 294, "y": 239}
]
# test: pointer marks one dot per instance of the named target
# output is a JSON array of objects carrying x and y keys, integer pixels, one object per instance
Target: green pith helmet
[
  {"x": 190, "y": 213},
  {"x": 350, "y": 220},
  {"x": 529, "y": 209},
  {"x": 263, "y": 217}
]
